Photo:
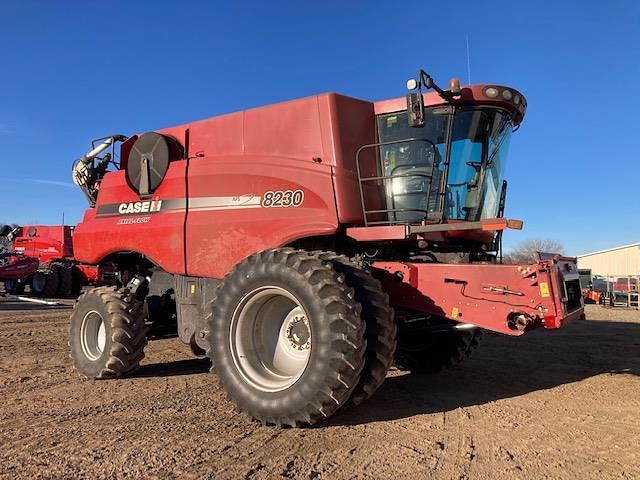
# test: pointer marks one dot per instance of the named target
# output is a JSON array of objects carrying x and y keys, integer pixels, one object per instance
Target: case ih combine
[
  {"x": 41, "y": 257},
  {"x": 297, "y": 245}
]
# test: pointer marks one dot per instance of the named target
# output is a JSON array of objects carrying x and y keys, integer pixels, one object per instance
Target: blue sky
[{"x": 73, "y": 71}]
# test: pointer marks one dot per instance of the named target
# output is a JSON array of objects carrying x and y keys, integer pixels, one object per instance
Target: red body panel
[
  {"x": 233, "y": 162},
  {"x": 42, "y": 244},
  {"x": 91, "y": 274},
  {"x": 45, "y": 242},
  {"x": 484, "y": 295},
  {"x": 18, "y": 268},
  {"x": 218, "y": 239},
  {"x": 159, "y": 237}
]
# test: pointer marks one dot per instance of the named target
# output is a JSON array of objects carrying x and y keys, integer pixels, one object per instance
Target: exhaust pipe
[
  {"x": 87, "y": 157},
  {"x": 82, "y": 171}
]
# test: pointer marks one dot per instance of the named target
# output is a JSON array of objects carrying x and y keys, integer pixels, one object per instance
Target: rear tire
[
  {"x": 77, "y": 281},
  {"x": 66, "y": 279},
  {"x": 427, "y": 352},
  {"x": 286, "y": 337},
  {"x": 45, "y": 283},
  {"x": 381, "y": 329},
  {"x": 14, "y": 287},
  {"x": 107, "y": 333}
]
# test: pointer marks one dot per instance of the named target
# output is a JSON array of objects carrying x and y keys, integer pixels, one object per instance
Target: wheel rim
[
  {"x": 270, "y": 338},
  {"x": 39, "y": 282},
  {"x": 93, "y": 335}
]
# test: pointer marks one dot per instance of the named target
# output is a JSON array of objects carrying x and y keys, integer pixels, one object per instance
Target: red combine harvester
[
  {"x": 41, "y": 256},
  {"x": 297, "y": 245}
]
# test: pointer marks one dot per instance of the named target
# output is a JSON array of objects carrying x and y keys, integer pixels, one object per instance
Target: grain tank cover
[{"x": 149, "y": 160}]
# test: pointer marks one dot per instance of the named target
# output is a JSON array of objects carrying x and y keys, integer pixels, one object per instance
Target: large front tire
[
  {"x": 286, "y": 337},
  {"x": 107, "y": 333}
]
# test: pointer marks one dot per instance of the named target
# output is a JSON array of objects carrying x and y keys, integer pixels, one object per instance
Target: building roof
[{"x": 637, "y": 244}]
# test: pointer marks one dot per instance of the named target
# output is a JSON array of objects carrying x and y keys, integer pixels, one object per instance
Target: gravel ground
[{"x": 552, "y": 404}]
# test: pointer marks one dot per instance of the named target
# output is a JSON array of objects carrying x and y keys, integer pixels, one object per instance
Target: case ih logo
[{"x": 131, "y": 208}]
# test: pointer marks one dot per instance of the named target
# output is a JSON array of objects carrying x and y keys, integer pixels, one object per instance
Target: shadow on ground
[
  {"x": 505, "y": 367},
  {"x": 20, "y": 306},
  {"x": 502, "y": 367},
  {"x": 171, "y": 369}
]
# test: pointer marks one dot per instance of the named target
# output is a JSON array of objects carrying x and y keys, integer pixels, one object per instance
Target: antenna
[{"x": 468, "y": 62}]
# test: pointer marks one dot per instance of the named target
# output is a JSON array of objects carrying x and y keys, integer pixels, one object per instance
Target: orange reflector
[
  {"x": 515, "y": 224},
  {"x": 493, "y": 224},
  {"x": 497, "y": 224}
]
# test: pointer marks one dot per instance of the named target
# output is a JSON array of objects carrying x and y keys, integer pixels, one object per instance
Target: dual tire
[
  {"x": 56, "y": 280},
  {"x": 289, "y": 337}
]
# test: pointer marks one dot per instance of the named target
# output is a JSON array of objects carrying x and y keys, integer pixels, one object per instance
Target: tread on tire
[
  {"x": 381, "y": 329},
  {"x": 124, "y": 338},
  {"x": 336, "y": 329}
]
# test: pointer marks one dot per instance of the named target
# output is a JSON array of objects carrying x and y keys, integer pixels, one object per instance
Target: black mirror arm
[{"x": 426, "y": 80}]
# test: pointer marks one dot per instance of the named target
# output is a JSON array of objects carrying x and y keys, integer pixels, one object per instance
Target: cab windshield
[{"x": 423, "y": 187}]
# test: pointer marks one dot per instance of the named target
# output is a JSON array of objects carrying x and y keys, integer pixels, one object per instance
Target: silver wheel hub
[
  {"x": 93, "y": 335},
  {"x": 270, "y": 338}
]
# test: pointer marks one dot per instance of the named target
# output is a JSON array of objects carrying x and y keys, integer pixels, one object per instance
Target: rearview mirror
[{"x": 415, "y": 109}]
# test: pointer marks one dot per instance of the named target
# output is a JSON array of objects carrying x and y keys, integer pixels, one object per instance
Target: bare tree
[{"x": 525, "y": 251}]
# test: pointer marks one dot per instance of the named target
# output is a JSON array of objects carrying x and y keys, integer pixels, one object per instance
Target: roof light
[
  {"x": 507, "y": 94},
  {"x": 516, "y": 99},
  {"x": 454, "y": 86},
  {"x": 491, "y": 92},
  {"x": 412, "y": 84}
]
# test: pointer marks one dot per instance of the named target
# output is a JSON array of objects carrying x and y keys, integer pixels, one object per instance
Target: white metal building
[{"x": 624, "y": 260}]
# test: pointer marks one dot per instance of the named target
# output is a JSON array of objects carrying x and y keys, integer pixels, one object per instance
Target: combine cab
[{"x": 300, "y": 245}]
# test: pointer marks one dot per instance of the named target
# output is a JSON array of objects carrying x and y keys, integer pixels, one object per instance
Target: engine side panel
[
  {"x": 259, "y": 179},
  {"x": 234, "y": 211},
  {"x": 122, "y": 221}
]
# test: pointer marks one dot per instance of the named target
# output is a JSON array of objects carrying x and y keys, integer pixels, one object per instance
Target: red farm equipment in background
[
  {"x": 41, "y": 257},
  {"x": 301, "y": 245}
]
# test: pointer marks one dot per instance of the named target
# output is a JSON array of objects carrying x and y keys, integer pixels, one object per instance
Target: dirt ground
[{"x": 552, "y": 404}]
